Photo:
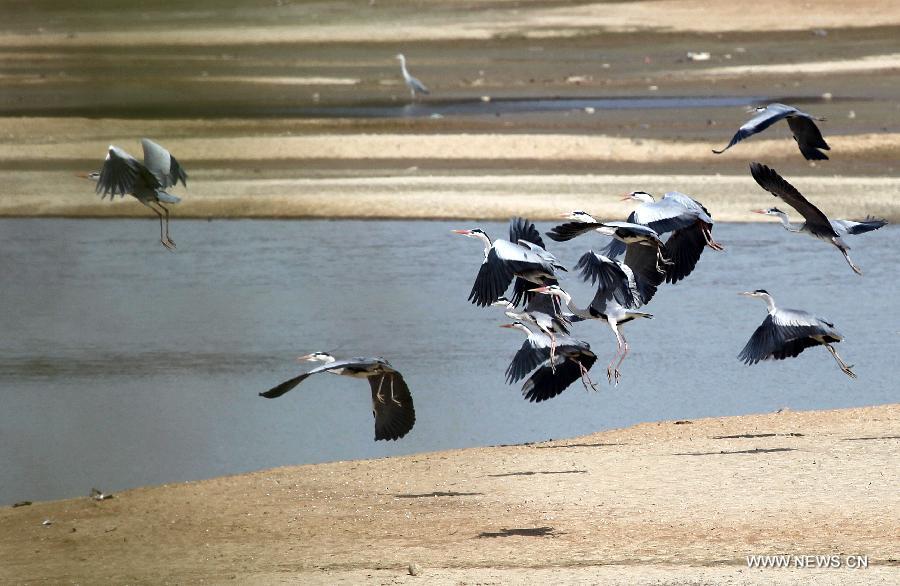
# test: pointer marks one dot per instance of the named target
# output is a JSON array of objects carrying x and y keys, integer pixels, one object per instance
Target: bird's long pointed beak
[
  {"x": 82, "y": 175},
  {"x": 463, "y": 232},
  {"x": 540, "y": 289},
  {"x": 510, "y": 326},
  {"x": 746, "y": 293},
  {"x": 626, "y": 197},
  {"x": 759, "y": 211},
  {"x": 304, "y": 358}
]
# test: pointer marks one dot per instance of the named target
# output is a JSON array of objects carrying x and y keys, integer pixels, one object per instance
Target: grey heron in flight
[
  {"x": 543, "y": 312},
  {"x": 392, "y": 404},
  {"x": 802, "y": 125},
  {"x": 123, "y": 175},
  {"x": 686, "y": 218},
  {"x": 415, "y": 86},
  {"x": 817, "y": 223},
  {"x": 612, "y": 303},
  {"x": 522, "y": 256},
  {"x": 571, "y": 362},
  {"x": 645, "y": 253},
  {"x": 785, "y": 333}
]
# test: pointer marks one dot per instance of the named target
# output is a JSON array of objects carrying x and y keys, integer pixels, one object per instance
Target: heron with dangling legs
[
  {"x": 817, "y": 223},
  {"x": 785, "y": 333},
  {"x": 551, "y": 376},
  {"x": 543, "y": 312},
  {"x": 689, "y": 222},
  {"x": 123, "y": 175},
  {"x": 392, "y": 405}
]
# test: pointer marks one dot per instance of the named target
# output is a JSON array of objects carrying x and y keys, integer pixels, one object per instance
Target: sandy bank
[
  {"x": 669, "y": 502},
  {"x": 413, "y": 195},
  {"x": 407, "y": 22}
]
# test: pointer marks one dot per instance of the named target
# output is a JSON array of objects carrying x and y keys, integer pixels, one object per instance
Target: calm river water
[{"x": 122, "y": 364}]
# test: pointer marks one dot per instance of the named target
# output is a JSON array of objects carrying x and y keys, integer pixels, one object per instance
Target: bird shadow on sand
[
  {"x": 521, "y": 532},
  {"x": 533, "y": 472},
  {"x": 437, "y": 493},
  {"x": 595, "y": 445},
  {"x": 862, "y": 439},
  {"x": 757, "y": 435},
  {"x": 753, "y": 451}
]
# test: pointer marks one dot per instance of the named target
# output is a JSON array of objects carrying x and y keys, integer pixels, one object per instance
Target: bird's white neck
[
  {"x": 570, "y": 305},
  {"x": 786, "y": 222},
  {"x": 403, "y": 66},
  {"x": 770, "y": 303},
  {"x": 487, "y": 242}
]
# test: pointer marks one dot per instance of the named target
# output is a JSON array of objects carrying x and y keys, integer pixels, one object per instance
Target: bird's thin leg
[
  {"x": 162, "y": 237},
  {"x": 621, "y": 347},
  {"x": 166, "y": 210},
  {"x": 585, "y": 377},
  {"x": 707, "y": 234},
  {"x": 844, "y": 368},
  {"x": 552, "y": 337},
  {"x": 378, "y": 394},
  {"x": 843, "y": 250},
  {"x": 621, "y": 359},
  {"x": 396, "y": 402}
]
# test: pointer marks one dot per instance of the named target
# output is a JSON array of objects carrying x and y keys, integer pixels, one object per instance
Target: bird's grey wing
[
  {"x": 665, "y": 215},
  {"x": 548, "y": 382},
  {"x": 418, "y": 85},
  {"x": 392, "y": 406},
  {"x": 648, "y": 274},
  {"x": 860, "y": 227},
  {"x": 525, "y": 360},
  {"x": 121, "y": 174},
  {"x": 636, "y": 229},
  {"x": 757, "y": 124},
  {"x": 492, "y": 281},
  {"x": 614, "y": 249},
  {"x": 614, "y": 280},
  {"x": 284, "y": 387},
  {"x": 547, "y": 307},
  {"x": 689, "y": 203},
  {"x": 778, "y": 339},
  {"x": 570, "y": 230},
  {"x": 522, "y": 229},
  {"x": 684, "y": 248},
  {"x": 808, "y": 137},
  {"x": 162, "y": 164},
  {"x": 287, "y": 385},
  {"x": 817, "y": 223}
]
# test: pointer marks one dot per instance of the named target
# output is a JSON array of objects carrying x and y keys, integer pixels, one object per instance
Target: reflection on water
[{"x": 123, "y": 364}]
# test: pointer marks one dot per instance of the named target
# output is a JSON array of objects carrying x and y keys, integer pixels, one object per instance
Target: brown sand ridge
[
  {"x": 232, "y": 110},
  {"x": 668, "y": 501}
]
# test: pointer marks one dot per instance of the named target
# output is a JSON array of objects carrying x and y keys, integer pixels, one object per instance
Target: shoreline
[{"x": 664, "y": 500}]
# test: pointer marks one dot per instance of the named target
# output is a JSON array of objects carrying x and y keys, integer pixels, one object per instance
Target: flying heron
[
  {"x": 686, "y": 218},
  {"x": 785, "y": 333},
  {"x": 607, "y": 305},
  {"x": 392, "y": 404},
  {"x": 571, "y": 362},
  {"x": 415, "y": 86},
  {"x": 802, "y": 125},
  {"x": 522, "y": 256},
  {"x": 645, "y": 253},
  {"x": 817, "y": 223},
  {"x": 543, "y": 312},
  {"x": 123, "y": 175}
]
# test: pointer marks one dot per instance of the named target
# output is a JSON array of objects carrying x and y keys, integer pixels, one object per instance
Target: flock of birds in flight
[{"x": 540, "y": 308}]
